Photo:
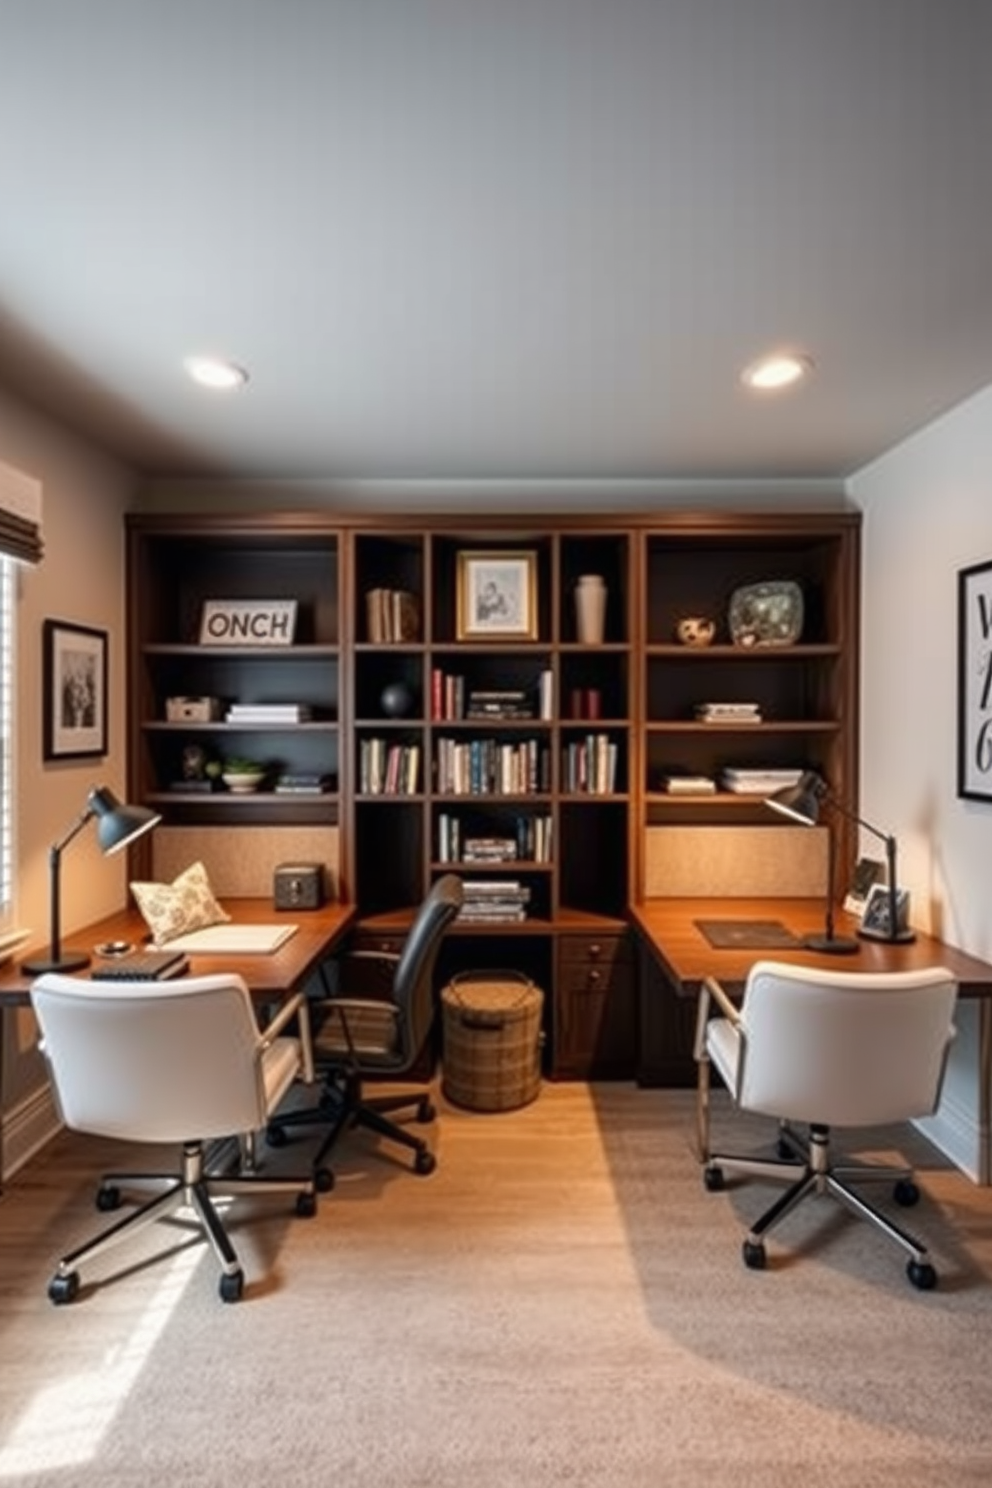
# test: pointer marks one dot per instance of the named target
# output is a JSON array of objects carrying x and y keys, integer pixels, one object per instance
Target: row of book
[
  {"x": 388, "y": 768},
  {"x": 452, "y": 699},
  {"x": 494, "y": 901},
  {"x": 392, "y": 615},
  {"x": 492, "y": 767},
  {"x": 589, "y": 765},
  {"x": 531, "y": 842}
]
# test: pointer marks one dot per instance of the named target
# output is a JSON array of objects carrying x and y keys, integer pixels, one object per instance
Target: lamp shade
[
  {"x": 118, "y": 824},
  {"x": 800, "y": 802}
]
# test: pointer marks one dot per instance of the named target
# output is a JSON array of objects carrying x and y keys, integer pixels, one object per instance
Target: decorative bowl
[
  {"x": 769, "y": 614},
  {"x": 243, "y": 782}
]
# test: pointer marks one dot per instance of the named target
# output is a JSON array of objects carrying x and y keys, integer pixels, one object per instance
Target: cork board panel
[
  {"x": 240, "y": 860},
  {"x": 741, "y": 861}
]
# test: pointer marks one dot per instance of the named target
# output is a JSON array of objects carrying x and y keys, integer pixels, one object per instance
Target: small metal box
[{"x": 299, "y": 886}]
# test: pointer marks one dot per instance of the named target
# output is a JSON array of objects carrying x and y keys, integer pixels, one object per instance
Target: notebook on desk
[
  {"x": 233, "y": 940},
  {"x": 141, "y": 966},
  {"x": 747, "y": 935}
]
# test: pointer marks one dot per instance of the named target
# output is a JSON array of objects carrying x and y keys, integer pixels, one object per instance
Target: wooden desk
[
  {"x": 267, "y": 976},
  {"x": 670, "y": 937}
]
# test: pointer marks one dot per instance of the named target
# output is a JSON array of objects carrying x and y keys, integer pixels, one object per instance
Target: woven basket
[{"x": 492, "y": 1040}]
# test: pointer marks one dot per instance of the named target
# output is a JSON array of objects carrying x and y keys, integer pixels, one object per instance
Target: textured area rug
[{"x": 560, "y": 1303}]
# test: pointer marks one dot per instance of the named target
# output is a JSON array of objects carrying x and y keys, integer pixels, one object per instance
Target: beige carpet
[{"x": 560, "y": 1303}]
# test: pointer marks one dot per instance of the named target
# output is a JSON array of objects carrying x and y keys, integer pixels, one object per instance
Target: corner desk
[
  {"x": 670, "y": 938},
  {"x": 285, "y": 970}
]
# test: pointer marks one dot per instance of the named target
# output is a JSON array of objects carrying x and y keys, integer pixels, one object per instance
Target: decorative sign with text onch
[
  {"x": 248, "y": 622},
  {"x": 975, "y": 682}
]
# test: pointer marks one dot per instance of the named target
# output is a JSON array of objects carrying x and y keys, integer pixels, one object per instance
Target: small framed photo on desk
[{"x": 875, "y": 922}]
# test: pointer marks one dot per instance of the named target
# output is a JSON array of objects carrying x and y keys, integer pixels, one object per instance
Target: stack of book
[
  {"x": 489, "y": 850},
  {"x": 758, "y": 781},
  {"x": 393, "y": 615},
  {"x": 688, "y": 785},
  {"x": 494, "y": 901},
  {"x": 304, "y": 783},
  {"x": 276, "y": 713},
  {"x": 728, "y": 712}
]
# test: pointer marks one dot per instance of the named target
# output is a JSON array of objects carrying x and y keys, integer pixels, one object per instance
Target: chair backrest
[
  {"x": 413, "y": 981},
  {"x": 844, "y": 1048},
  {"x": 167, "y": 1061}
]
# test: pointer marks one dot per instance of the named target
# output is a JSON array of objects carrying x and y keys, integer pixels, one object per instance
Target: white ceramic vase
[{"x": 590, "y": 609}]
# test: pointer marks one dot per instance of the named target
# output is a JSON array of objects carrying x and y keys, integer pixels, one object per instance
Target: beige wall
[
  {"x": 926, "y": 515},
  {"x": 81, "y": 578}
]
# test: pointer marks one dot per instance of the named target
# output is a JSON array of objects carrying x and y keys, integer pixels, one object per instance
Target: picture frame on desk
[
  {"x": 975, "y": 682},
  {"x": 74, "y": 684},
  {"x": 497, "y": 596},
  {"x": 875, "y": 919}
]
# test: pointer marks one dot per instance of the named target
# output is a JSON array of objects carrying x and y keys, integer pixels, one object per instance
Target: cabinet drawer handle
[
  {"x": 594, "y": 978},
  {"x": 595, "y": 951}
]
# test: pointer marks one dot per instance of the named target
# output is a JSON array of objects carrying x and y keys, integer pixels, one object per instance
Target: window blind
[{"x": 20, "y": 516}]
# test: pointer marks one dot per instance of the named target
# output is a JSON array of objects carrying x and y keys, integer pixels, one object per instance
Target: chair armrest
[
  {"x": 298, "y": 1004},
  {"x": 711, "y": 990},
  {"x": 340, "y": 1007}
]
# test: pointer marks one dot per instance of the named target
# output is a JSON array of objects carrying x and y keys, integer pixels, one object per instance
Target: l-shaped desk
[
  {"x": 318, "y": 934},
  {"x": 670, "y": 936}
]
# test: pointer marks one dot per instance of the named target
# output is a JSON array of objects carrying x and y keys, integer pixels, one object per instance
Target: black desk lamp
[
  {"x": 802, "y": 803},
  {"x": 117, "y": 826}
]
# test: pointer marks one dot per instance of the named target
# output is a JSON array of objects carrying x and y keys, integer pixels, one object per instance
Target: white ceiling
[{"x": 496, "y": 238}]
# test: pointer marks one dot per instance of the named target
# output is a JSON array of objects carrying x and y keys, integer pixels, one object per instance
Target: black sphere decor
[{"x": 396, "y": 700}]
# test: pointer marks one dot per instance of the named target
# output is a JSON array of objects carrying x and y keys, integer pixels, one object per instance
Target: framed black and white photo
[
  {"x": 975, "y": 682},
  {"x": 876, "y": 920},
  {"x": 497, "y": 596},
  {"x": 74, "y": 667}
]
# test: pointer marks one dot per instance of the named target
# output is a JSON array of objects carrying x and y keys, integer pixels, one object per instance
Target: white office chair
[
  {"x": 177, "y": 1061},
  {"x": 826, "y": 1049}
]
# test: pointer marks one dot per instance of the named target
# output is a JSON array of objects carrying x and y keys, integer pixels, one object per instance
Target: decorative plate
[{"x": 769, "y": 614}]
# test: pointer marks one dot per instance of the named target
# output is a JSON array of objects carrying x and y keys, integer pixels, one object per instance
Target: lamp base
[
  {"x": 831, "y": 945},
  {"x": 901, "y": 937},
  {"x": 68, "y": 961}
]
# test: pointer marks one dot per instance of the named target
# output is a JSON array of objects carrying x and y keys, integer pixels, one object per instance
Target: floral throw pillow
[{"x": 186, "y": 904}]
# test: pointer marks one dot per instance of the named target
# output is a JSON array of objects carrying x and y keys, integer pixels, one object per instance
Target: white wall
[
  {"x": 81, "y": 578},
  {"x": 928, "y": 513}
]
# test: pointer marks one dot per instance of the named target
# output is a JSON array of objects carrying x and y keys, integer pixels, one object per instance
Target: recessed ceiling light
[
  {"x": 780, "y": 370},
  {"x": 211, "y": 372}
]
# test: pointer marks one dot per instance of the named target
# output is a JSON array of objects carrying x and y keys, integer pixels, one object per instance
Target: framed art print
[
  {"x": 497, "y": 596},
  {"x": 74, "y": 667},
  {"x": 975, "y": 682}
]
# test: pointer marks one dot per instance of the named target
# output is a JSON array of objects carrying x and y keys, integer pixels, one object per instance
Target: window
[{"x": 6, "y": 737}]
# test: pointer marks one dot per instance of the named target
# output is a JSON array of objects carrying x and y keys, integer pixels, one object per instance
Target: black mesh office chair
[{"x": 360, "y": 1036}]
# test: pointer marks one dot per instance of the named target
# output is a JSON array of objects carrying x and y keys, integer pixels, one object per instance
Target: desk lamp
[
  {"x": 802, "y": 803},
  {"x": 117, "y": 826}
]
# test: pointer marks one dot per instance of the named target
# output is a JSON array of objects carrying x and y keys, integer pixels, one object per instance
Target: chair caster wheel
[
  {"x": 425, "y": 1111},
  {"x": 108, "y": 1197},
  {"x": 232, "y": 1284},
  {"x": 275, "y": 1136},
  {"x": 425, "y": 1162},
  {"x": 922, "y": 1275},
  {"x": 323, "y": 1180},
  {"x": 754, "y": 1255},
  {"x": 63, "y": 1288},
  {"x": 713, "y": 1179},
  {"x": 906, "y": 1193},
  {"x": 306, "y": 1205}
]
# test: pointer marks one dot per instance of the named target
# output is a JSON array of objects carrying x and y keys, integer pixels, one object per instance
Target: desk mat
[{"x": 747, "y": 935}]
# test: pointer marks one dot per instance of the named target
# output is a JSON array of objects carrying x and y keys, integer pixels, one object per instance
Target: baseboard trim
[
  {"x": 26, "y": 1129},
  {"x": 954, "y": 1131}
]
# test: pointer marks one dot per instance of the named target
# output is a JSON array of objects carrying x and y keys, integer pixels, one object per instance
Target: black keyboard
[{"x": 141, "y": 966}]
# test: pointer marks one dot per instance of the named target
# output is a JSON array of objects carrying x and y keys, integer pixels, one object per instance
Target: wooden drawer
[{"x": 604, "y": 951}]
